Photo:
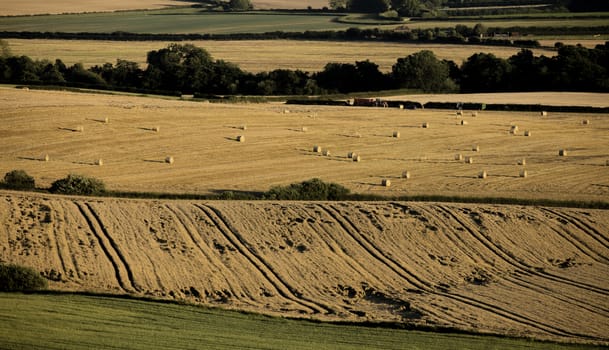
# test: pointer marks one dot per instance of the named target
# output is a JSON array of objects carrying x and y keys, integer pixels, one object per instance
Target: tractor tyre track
[
  {"x": 106, "y": 245},
  {"x": 235, "y": 238},
  {"x": 426, "y": 286}
]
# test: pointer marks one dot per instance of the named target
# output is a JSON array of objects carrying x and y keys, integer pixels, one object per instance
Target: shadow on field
[
  {"x": 153, "y": 161},
  {"x": 31, "y": 158},
  {"x": 69, "y": 129}
]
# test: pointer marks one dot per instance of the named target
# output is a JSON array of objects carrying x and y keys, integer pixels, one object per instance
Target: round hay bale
[
  {"x": 326, "y": 153},
  {"x": 459, "y": 113},
  {"x": 523, "y": 173},
  {"x": 357, "y": 158},
  {"x": 317, "y": 149},
  {"x": 386, "y": 182},
  {"x": 46, "y": 158},
  {"x": 406, "y": 175},
  {"x": 585, "y": 122},
  {"x": 469, "y": 160},
  {"x": 99, "y": 162},
  {"x": 350, "y": 155},
  {"x": 562, "y": 152},
  {"x": 527, "y": 133},
  {"x": 474, "y": 114},
  {"x": 304, "y": 129},
  {"x": 458, "y": 156},
  {"x": 358, "y": 135},
  {"x": 476, "y": 148},
  {"x": 243, "y": 127},
  {"x": 463, "y": 122},
  {"x": 156, "y": 128},
  {"x": 396, "y": 134},
  {"x": 425, "y": 125},
  {"x": 169, "y": 160},
  {"x": 401, "y": 106},
  {"x": 482, "y": 174},
  {"x": 544, "y": 113},
  {"x": 240, "y": 138},
  {"x": 106, "y": 120},
  {"x": 513, "y": 129},
  {"x": 522, "y": 162},
  {"x": 80, "y": 128}
]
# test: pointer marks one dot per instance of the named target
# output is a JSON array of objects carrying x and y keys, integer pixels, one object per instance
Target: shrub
[
  {"x": 78, "y": 184},
  {"x": 15, "y": 278},
  {"x": 314, "y": 189},
  {"x": 18, "y": 180}
]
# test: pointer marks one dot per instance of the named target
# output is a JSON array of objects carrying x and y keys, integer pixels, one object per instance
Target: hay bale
[
  {"x": 406, "y": 175},
  {"x": 458, "y": 156},
  {"x": 482, "y": 174},
  {"x": 544, "y": 113},
  {"x": 169, "y": 160},
  {"x": 106, "y": 120},
  {"x": 386, "y": 182},
  {"x": 304, "y": 129},
  {"x": 476, "y": 148},
  {"x": 474, "y": 114},
  {"x": 317, "y": 149},
  {"x": 585, "y": 122},
  {"x": 463, "y": 122},
  {"x": 243, "y": 127},
  {"x": 401, "y": 106},
  {"x": 396, "y": 134},
  {"x": 459, "y": 113},
  {"x": 326, "y": 153},
  {"x": 240, "y": 138},
  {"x": 99, "y": 162},
  {"x": 80, "y": 128},
  {"x": 527, "y": 133},
  {"x": 425, "y": 125},
  {"x": 523, "y": 173},
  {"x": 357, "y": 158},
  {"x": 522, "y": 161},
  {"x": 357, "y": 135},
  {"x": 469, "y": 160},
  {"x": 562, "y": 152},
  {"x": 513, "y": 129},
  {"x": 156, "y": 128},
  {"x": 286, "y": 111},
  {"x": 350, "y": 155}
]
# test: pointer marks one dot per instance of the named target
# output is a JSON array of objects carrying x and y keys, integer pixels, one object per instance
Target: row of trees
[{"x": 186, "y": 69}]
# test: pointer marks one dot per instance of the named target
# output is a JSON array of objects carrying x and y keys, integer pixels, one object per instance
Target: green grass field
[
  {"x": 43, "y": 321},
  {"x": 192, "y": 20}
]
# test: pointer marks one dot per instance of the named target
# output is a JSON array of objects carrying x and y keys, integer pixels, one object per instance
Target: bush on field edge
[{"x": 16, "y": 278}]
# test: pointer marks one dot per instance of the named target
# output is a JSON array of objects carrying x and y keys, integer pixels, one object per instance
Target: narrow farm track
[{"x": 512, "y": 270}]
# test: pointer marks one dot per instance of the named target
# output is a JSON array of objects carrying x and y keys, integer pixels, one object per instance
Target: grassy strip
[{"x": 70, "y": 321}]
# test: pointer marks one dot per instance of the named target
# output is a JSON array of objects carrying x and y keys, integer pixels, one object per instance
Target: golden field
[
  {"x": 201, "y": 137},
  {"x": 530, "y": 272},
  {"x": 34, "y": 7},
  {"x": 309, "y": 56},
  {"x": 526, "y": 271}
]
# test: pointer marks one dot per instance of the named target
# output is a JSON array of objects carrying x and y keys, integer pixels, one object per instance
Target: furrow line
[
  {"x": 56, "y": 224},
  {"x": 589, "y": 230},
  {"x": 233, "y": 236},
  {"x": 103, "y": 245},
  {"x": 494, "y": 309},
  {"x": 520, "y": 265},
  {"x": 114, "y": 247}
]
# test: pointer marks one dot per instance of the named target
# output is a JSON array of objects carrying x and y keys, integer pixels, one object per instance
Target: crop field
[
  {"x": 35, "y": 7},
  {"x": 517, "y": 271},
  {"x": 309, "y": 56},
  {"x": 193, "y": 20},
  {"x": 73, "y": 321},
  {"x": 202, "y": 138}
]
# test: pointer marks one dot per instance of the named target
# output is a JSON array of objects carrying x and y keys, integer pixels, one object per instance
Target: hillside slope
[{"x": 522, "y": 271}]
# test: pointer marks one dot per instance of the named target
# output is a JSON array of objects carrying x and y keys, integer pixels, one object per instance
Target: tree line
[{"x": 187, "y": 69}]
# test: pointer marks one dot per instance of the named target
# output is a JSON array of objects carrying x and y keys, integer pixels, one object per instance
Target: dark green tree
[
  {"x": 240, "y": 5},
  {"x": 16, "y": 278},
  {"x": 407, "y": 8},
  {"x": 422, "y": 70},
  {"x": 368, "y": 6},
  {"x": 484, "y": 72},
  {"x": 18, "y": 180}
]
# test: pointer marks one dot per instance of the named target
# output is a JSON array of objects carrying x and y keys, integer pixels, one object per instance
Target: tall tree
[
  {"x": 240, "y": 5},
  {"x": 421, "y": 70},
  {"x": 368, "y": 6}
]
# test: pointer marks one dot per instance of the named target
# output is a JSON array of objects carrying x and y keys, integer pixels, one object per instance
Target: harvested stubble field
[
  {"x": 35, "y": 7},
  {"x": 511, "y": 270},
  {"x": 309, "y": 56},
  {"x": 201, "y": 137}
]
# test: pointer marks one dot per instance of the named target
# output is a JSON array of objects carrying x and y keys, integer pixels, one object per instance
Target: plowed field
[{"x": 523, "y": 271}]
